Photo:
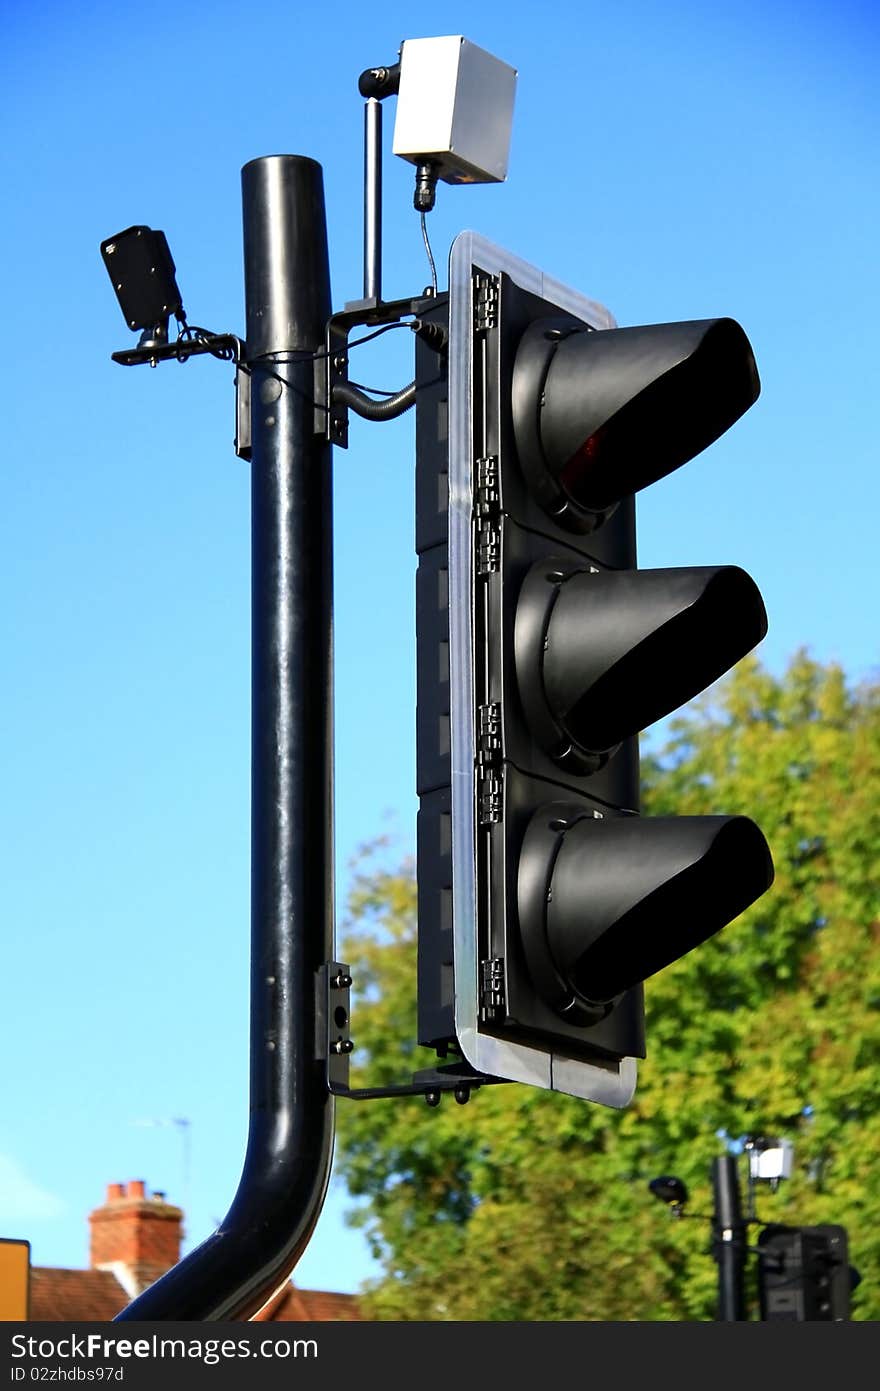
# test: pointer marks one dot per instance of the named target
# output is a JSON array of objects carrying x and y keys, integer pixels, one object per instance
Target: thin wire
[
  {"x": 376, "y": 390},
  {"x": 428, "y": 249},
  {"x": 354, "y": 343},
  {"x": 367, "y": 338},
  {"x": 377, "y": 332},
  {"x": 192, "y": 333}
]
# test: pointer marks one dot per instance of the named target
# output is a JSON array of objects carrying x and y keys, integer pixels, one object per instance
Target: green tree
[{"x": 526, "y": 1205}]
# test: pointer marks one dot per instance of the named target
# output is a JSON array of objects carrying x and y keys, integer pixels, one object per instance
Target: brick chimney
[{"x": 135, "y": 1235}]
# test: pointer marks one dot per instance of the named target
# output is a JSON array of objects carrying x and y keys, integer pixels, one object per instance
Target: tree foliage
[{"x": 528, "y": 1205}]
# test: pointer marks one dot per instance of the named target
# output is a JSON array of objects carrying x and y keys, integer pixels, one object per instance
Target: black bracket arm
[
  {"x": 154, "y": 347},
  {"x": 380, "y": 82},
  {"x": 335, "y": 1043},
  {"x": 334, "y": 393}
]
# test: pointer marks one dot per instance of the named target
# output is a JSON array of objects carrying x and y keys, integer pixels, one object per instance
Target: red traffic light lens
[{"x": 600, "y": 414}]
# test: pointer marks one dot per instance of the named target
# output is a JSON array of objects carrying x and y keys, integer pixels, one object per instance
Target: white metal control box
[
  {"x": 454, "y": 109},
  {"x": 774, "y": 1162}
]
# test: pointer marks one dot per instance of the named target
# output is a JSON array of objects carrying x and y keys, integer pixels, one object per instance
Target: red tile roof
[
  {"x": 294, "y": 1305},
  {"x": 96, "y": 1296},
  {"x": 75, "y": 1296}
]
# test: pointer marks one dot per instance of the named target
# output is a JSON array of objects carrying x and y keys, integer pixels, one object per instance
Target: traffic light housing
[
  {"x": 804, "y": 1274},
  {"x": 545, "y": 900}
]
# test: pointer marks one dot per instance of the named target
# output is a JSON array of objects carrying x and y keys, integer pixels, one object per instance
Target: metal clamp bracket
[
  {"x": 331, "y": 416},
  {"x": 155, "y": 350},
  {"x": 334, "y": 1020}
]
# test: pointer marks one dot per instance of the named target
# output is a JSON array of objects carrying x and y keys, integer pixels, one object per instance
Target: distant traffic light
[
  {"x": 545, "y": 900},
  {"x": 804, "y": 1274},
  {"x": 670, "y": 1190}
]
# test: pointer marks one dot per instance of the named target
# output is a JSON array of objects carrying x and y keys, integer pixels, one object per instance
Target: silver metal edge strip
[{"x": 615, "y": 1084}]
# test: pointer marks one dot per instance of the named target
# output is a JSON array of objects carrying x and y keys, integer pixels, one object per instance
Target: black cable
[
  {"x": 374, "y": 390},
  {"x": 351, "y": 394},
  {"x": 430, "y": 253},
  {"x": 367, "y": 338},
  {"x": 192, "y": 333}
]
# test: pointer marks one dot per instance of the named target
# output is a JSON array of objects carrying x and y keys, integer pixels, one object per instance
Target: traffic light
[
  {"x": 545, "y": 900},
  {"x": 804, "y": 1274}
]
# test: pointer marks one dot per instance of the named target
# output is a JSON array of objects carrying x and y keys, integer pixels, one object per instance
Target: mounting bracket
[
  {"x": 331, "y": 416},
  {"x": 155, "y": 351},
  {"x": 335, "y": 1045}
]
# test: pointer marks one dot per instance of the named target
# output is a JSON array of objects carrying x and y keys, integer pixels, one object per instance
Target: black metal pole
[
  {"x": 729, "y": 1240},
  {"x": 290, "y": 1141}
]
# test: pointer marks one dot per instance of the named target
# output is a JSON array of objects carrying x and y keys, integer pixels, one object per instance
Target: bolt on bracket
[{"x": 336, "y": 1046}]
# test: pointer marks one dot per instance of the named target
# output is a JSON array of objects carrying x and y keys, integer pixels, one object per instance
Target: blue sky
[{"x": 672, "y": 161}]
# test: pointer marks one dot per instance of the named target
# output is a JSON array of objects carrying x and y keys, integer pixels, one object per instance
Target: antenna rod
[
  {"x": 374, "y": 84},
  {"x": 373, "y": 200}
]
